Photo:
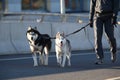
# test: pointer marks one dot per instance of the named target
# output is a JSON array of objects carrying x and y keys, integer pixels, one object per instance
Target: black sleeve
[{"x": 92, "y": 9}]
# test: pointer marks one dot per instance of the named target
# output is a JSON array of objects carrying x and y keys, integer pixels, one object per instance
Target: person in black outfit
[{"x": 103, "y": 15}]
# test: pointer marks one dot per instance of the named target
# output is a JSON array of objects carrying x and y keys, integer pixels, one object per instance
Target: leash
[
  {"x": 52, "y": 38},
  {"x": 77, "y": 30},
  {"x": 73, "y": 32}
]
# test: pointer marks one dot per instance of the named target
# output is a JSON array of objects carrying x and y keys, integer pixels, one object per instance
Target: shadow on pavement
[{"x": 13, "y": 69}]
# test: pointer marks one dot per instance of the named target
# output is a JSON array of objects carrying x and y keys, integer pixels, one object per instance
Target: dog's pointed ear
[
  {"x": 57, "y": 35},
  {"x": 29, "y": 28},
  {"x": 63, "y": 34},
  {"x": 35, "y": 28}
]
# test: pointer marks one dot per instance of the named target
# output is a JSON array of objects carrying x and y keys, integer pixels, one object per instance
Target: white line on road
[
  {"x": 115, "y": 78},
  {"x": 21, "y": 58}
]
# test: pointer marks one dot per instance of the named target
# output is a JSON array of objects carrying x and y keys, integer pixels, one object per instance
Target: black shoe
[
  {"x": 99, "y": 61},
  {"x": 113, "y": 57}
]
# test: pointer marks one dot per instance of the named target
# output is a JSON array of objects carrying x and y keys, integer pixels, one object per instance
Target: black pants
[{"x": 100, "y": 24}]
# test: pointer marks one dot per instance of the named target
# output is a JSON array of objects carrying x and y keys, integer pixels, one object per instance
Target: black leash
[
  {"x": 78, "y": 30},
  {"x": 52, "y": 37},
  {"x": 74, "y": 31}
]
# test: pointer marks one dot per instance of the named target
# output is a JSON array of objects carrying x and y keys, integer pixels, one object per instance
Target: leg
[
  {"x": 68, "y": 57},
  {"x": 58, "y": 56},
  {"x": 98, "y": 31},
  {"x": 35, "y": 59},
  {"x": 41, "y": 58},
  {"x": 109, "y": 30},
  {"x": 64, "y": 60},
  {"x": 46, "y": 56}
]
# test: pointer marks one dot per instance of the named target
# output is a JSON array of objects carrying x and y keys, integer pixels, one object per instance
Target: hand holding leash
[
  {"x": 91, "y": 24},
  {"x": 114, "y": 20}
]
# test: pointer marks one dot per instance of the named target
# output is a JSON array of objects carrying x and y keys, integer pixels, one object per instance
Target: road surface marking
[
  {"x": 115, "y": 78},
  {"x": 10, "y": 59},
  {"x": 21, "y": 58}
]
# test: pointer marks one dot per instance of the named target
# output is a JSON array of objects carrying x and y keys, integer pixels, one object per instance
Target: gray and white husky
[
  {"x": 63, "y": 49},
  {"x": 39, "y": 43}
]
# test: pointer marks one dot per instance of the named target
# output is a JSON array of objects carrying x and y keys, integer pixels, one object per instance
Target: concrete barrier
[
  {"x": 5, "y": 39},
  {"x": 13, "y": 36}
]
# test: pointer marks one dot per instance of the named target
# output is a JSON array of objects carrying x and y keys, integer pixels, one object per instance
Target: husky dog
[
  {"x": 63, "y": 49},
  {"x": 39, "y": 43}
]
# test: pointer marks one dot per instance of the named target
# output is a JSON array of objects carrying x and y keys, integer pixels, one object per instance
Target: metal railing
[{"x": 46, "y": 17}]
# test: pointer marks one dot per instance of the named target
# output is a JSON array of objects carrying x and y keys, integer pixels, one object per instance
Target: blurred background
[
  {"x": 43, "y": 5},
  {"x": 50, "y": 16}
]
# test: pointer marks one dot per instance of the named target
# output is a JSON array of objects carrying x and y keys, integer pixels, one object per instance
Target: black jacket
[{"x": 103, "y": 6}]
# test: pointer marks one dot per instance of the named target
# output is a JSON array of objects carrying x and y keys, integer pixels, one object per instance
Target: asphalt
[{"x": 20, "y": 67}]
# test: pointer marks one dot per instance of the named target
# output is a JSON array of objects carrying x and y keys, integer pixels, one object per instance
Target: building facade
[{"x": 43, "y": 5}]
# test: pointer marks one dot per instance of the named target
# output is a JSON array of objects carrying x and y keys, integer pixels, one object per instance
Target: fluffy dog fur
[
  {"x": 63, "y": 49},
  {"x": 39, "y": 43}
]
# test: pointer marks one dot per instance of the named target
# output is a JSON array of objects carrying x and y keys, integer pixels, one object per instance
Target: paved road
[{"x": 20, "y": 67}]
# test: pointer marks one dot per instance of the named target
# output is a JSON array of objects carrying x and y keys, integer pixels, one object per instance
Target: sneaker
[
  {"x": 113, "y": 57},
  {"x": 99, "y": 61}
]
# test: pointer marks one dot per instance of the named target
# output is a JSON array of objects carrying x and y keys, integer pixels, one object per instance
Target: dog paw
[
  {"x": 69, "y": 64},
  {"x": 45, "y": 64},
  {"x": 62, "y": 66},
  {"x": 58, "y": 64},
  {"x": 35, "y": 65}
]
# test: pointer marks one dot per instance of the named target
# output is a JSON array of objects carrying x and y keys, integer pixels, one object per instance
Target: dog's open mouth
[{"x": 61, "y": 44}]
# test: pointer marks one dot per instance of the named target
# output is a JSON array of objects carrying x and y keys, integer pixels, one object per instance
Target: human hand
[
  {"x": 91, "y": 24},
  {"x": 114, "y": 20}
]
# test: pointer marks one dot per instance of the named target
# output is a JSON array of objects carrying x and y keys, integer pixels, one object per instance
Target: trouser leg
[
  {"x": 98, "y": 31},
  {"x": 109, "y": 30}
]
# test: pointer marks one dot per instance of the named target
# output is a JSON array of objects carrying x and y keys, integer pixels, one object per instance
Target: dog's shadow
[{"x": 24, "y": 68}]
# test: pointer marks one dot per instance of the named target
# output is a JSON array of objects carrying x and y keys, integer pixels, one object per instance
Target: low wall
[{"x": 13, "y": 36}]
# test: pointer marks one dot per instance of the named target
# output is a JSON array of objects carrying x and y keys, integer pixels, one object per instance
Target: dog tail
[{"x": 68, "y": 43}]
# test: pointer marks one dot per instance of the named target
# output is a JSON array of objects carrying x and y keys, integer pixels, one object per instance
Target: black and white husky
[
  {"x": 39, "y": 43},
  {"x": 63, "y": 49}
]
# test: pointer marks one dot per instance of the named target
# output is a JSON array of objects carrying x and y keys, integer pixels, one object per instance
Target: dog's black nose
[{"x": 61, "y": 43}]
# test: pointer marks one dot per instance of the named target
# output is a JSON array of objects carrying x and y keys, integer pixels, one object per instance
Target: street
[{"x": 20, "y": 67}]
